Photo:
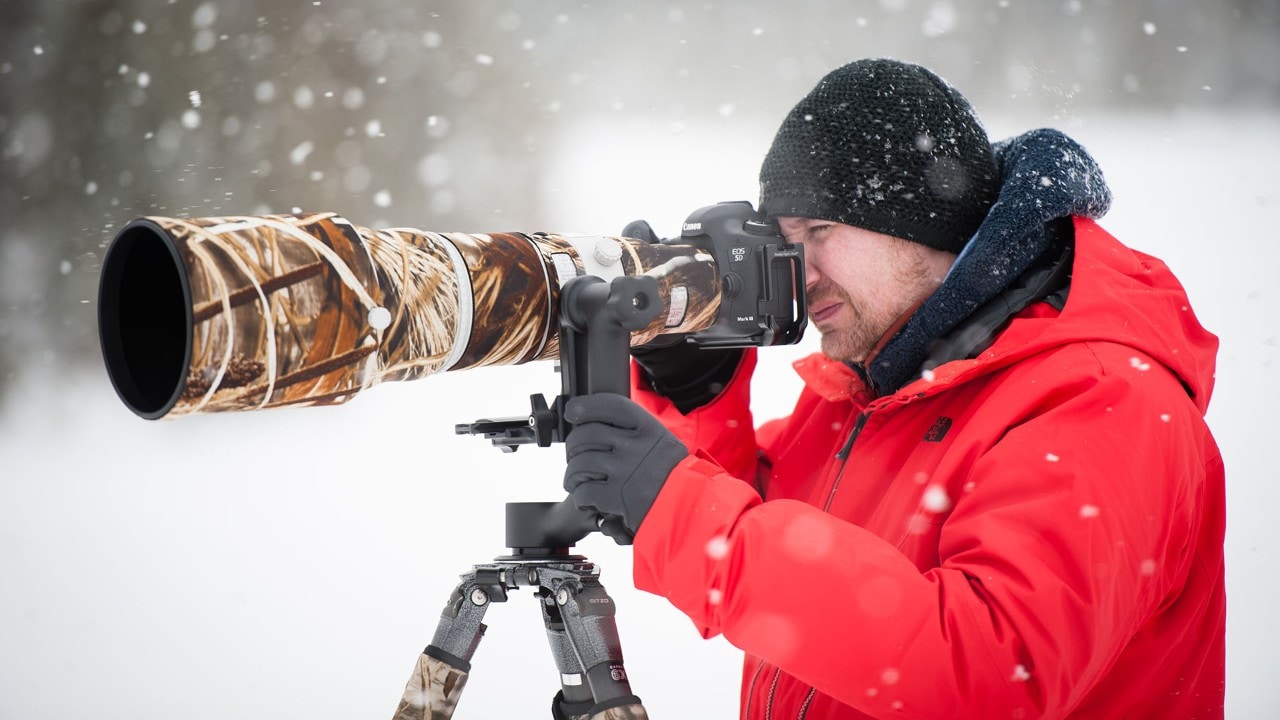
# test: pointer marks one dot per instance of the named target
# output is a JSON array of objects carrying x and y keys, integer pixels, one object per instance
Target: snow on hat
[{"x": 886, "y": 146}]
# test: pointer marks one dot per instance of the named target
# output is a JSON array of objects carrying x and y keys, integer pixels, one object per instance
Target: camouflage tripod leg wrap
[{"x": 432, "y": 692}]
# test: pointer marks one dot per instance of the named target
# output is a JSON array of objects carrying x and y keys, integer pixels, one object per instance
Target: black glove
[
  {"x": 686, "y": 375},
  {"x": 619, "y": 458}
]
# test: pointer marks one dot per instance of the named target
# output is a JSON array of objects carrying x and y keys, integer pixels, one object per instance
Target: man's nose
[{"x": 812, "y": 273}]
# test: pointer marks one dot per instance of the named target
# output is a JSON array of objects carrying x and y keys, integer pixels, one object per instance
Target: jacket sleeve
[
  {"x": 722, "y": 430},
  {"x": 1072, "y": 528}
]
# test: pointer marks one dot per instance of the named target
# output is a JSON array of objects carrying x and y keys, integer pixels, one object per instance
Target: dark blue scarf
[{"x": 1044, "y": 175}]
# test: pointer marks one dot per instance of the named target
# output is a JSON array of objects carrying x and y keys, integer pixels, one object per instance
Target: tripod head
[
  {"x": 596, "y": 321},
  {"x": 762, "y": 303}
]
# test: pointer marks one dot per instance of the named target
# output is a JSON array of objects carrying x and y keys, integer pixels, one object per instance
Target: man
[{"x": 996, "y": 496}]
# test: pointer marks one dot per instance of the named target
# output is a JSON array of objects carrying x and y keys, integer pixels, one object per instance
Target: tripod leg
[
  {"x": 587, "y": 613},
  {"x": 436, "y": 685},
  {"x": 574, "y": 699}
]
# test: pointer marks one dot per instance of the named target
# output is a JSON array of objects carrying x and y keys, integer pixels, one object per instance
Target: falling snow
[
  {"x": 380, "y": 318},
  {"x": 717, "y": 547},
  {"x": 264, "y": 91},
  {"x": 1089, "y": 511},
  {"x": 935, "y": 499},
  {"x": 300, "y": 152},
  {"x": 303, "y": 97},
  {"x": 204, "y": 16}
]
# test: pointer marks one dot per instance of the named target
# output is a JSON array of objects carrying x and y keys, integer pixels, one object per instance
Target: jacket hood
[
  {"x": 1044, "y": 175},
  {"x": 1127, "y": 297},
  {"x": 1116, "y": 294}
]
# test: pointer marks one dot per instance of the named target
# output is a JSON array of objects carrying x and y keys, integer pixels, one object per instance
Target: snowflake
[
  {"x": 935, "y": 499},
  {"x": 718, "y": 547}
]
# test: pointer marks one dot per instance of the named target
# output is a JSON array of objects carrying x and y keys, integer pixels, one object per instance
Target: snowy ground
[{"x": 293, "y": 563}]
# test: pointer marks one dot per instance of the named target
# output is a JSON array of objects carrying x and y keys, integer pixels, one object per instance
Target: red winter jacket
[{"x": 1036, "y": 532}]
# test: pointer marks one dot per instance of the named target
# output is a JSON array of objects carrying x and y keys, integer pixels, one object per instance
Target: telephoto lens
[{"x": 239, "y": 313}]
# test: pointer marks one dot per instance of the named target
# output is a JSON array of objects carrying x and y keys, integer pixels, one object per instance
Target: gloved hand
[
  {"x": 619, "y": 459},
  {"x": 683, "y": 373}
]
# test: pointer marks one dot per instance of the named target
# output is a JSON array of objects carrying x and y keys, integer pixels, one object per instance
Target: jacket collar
[{"x": 1045, "y": 175}]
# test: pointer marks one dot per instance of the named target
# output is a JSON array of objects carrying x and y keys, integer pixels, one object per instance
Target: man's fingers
[
  {"x": 586, "y": 445},
  {"x": 575, "y": 479}
]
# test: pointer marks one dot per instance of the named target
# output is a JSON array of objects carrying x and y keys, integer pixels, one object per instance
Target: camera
[{"x": 246, "y": 312}]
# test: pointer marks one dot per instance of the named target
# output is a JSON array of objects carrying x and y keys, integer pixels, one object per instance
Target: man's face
[{"x": 860, "y": 283}]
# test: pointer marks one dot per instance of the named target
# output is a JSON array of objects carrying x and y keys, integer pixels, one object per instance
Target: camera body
[{"x": 762, "y": 299}]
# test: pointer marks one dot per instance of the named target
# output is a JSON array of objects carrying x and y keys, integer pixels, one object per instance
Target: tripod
[{"x": 596, "y": 318}]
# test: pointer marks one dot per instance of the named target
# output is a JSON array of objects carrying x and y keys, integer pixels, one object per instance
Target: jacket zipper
[
  {"x": 751, "y": 691},
  {"x": 773, "y": 690},
  {"x": 843, "y": 455},
  {"x": 853, "y": 435},
  {"x": 804, "y": 707}
]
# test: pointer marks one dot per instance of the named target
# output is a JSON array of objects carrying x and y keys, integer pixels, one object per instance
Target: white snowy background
[{"x": 293, "y": 563}]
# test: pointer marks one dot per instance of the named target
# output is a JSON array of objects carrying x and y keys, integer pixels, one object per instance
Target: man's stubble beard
[{"x": 854, "y": 341}]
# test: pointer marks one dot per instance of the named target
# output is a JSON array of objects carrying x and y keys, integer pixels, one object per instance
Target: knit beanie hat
[{"x": 886, "y": 146}]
